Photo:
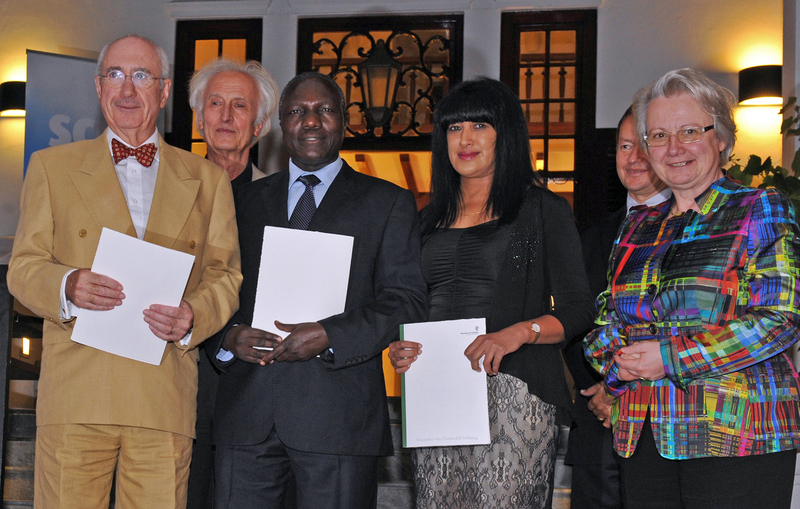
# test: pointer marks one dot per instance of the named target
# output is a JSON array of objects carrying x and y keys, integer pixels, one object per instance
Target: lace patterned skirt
[{"x": 514, "y": 471}]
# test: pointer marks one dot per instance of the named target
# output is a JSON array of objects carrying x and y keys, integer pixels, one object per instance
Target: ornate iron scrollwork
[{"x": 423, "y": 80}]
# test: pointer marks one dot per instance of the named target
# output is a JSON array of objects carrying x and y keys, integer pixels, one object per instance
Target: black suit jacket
[
  {"x": 585, "y": 438},
  {"x": 333, "y": 406}
]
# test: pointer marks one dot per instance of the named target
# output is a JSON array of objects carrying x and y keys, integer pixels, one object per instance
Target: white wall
[{"x": 638, "y": 40}]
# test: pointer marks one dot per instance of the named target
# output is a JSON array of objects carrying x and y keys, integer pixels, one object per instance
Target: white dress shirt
[
  {"x": 138, "y": 185},
  {"x": 654, "y": 200}
]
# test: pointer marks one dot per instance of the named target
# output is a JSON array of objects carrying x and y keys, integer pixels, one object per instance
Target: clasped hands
[
  {"x": 89, "y": 290},
  {"x": 490, "y": 347},
  {"x": 640, "y": 360},
  {"x": 305, "y": 340}
]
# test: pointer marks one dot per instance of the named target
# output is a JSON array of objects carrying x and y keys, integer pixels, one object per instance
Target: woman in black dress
[{"x": 496, "y": 244}]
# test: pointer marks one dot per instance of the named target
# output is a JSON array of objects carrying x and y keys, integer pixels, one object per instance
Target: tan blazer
[{"x": 70, "y": 193}]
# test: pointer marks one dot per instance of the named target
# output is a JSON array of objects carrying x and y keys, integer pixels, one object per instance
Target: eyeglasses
[
  {"x": 685, "y": 135},
  {"x": 140, "y": 79}
]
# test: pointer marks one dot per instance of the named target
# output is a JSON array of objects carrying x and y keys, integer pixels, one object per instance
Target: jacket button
[
  {"x": 192, "y": 244},
  {"x": 653, "y": 328},
  {"x": 651, "y": 289},
  {"x": 81, "y": 233}
]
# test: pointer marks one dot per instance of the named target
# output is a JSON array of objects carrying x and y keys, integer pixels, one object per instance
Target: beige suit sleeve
[
  {"x": 34, "y": 274},
  {"x": 216, "y": 297}
]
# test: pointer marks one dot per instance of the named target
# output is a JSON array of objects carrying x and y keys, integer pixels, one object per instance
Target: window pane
[
  {"x": 205, "y": 51},
  {"x": 562, "y": 82},
  {"x": 532, "y": 46},
  {"x": 200, "y": 149},
  {"x": 561, "y": 155},
  {"x": 537, "y": 154},
  {"x": 235, "y": 49},
  {"x": 562, "y": 119},
  {"x": 531, "y": 83},
  {"x": 534, "y": 113},
  {"x": 562, "y": 46},
  {"x": 415, "y": 85}
]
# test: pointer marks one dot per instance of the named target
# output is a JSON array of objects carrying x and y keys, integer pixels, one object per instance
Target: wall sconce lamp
[
  {"x": 12, "y": 99},
  {"x": 379, "y": 75},
  {"x": 760, "y": 86}
]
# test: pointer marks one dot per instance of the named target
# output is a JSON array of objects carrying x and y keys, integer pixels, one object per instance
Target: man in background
[
  {"x": 233, "y": 104},
  {"x": 595, "y": 474}
]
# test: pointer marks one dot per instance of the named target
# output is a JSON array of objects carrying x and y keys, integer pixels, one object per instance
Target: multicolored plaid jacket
[{"x": 720, "y": 290}]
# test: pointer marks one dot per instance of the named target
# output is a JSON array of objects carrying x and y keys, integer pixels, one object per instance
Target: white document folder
[
  {"x": 444, "y": 401},
  {"x": 149, "y": 274},
  {"x": 303, "y": 277}
]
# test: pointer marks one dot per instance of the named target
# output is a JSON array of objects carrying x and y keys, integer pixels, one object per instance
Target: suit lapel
[
  {"x": 273, "y": 198},
  {"x": 343, "y": 190},
  {"x": 99, "y": 188},
  {"x": 173, "y": 200}
]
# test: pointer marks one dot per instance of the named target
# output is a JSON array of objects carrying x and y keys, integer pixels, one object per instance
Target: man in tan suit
[{"x": 99, "y": 412}]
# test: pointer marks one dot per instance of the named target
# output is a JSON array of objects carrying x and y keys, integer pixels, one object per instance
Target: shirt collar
[
  {"x": 654, "y": 200},
  {"x": 326, "y": 174},
  {"x": 110, "y": 135}
]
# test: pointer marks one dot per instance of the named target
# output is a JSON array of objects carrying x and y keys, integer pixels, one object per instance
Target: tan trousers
[{"x": 75, "y": 464}]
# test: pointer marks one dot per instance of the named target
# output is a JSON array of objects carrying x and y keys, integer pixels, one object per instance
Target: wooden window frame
[{"x": 589, "y": 185}]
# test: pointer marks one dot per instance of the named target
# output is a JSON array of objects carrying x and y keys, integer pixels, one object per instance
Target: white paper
[
  {"x": 149, "y": 274},
  {"x": 444, "y": 400},
  {"x": 302, "y": 278}
]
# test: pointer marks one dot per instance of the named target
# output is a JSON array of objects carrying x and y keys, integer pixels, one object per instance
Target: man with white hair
[
  {"x": 97, "y": 413},
  {"x": 233, "y": 104}
]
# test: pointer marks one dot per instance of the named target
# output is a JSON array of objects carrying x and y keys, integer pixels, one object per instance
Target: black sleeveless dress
[{"x": 461, "y": 267}]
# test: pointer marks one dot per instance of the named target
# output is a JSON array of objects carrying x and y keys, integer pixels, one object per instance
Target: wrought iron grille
[{"x": 429, "y": 49}]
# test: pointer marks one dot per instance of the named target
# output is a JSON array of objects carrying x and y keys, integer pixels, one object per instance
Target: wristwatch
[{"x": 536, "y": 331}]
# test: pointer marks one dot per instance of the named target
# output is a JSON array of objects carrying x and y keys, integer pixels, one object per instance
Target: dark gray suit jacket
[{"x": 334, "y": 406}]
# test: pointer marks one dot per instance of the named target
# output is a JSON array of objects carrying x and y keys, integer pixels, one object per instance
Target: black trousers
[
  {"x": 259, "y": 476},
  {"x": 201, "y": 472},
  {"x": 651, "y": 481},
  {"x": 595, "y": 485}
]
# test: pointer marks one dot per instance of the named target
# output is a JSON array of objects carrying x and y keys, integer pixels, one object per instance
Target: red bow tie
[{"x": 144, "y": 154}]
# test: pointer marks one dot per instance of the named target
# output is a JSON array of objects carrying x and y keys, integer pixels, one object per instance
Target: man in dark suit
[
  {"x": 595, "y": 474},
  {"x": 315, "y": 405}
]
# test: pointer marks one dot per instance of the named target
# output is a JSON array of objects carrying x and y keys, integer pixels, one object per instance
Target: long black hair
[{"x": 490, "y": 102}]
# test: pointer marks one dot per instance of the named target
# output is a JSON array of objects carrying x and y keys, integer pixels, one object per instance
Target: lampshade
[
  {"x": 12, "y": 99},
  {"x": 760, "y": 86}
]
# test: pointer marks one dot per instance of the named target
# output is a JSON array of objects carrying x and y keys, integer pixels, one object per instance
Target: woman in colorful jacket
[{"x": 696, "y": 325}]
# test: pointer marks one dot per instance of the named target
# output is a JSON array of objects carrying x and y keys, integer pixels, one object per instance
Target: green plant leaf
[
  {"x": 786, "y": 124},
  {"x": 796, "y": 163},
  {"x": 753, "y": 166},
  {"x": 789, "y": 103}
]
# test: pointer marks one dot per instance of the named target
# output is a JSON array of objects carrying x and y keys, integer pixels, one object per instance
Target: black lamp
[
  {"x": 379, "y": 76},
  {"x": 760, "y": 86},
  {"x": 12, "y": 99}
]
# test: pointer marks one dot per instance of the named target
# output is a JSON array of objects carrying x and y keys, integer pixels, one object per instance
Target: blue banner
[{"x": 61, "y": 103}]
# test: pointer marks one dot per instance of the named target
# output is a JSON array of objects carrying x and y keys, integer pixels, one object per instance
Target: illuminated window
[
  {"x": 549, "y": 59},
  {"x": 197, "y": 43}
]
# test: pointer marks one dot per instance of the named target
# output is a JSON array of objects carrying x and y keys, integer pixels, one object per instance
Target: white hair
[{"x": 267, "y": 88}]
